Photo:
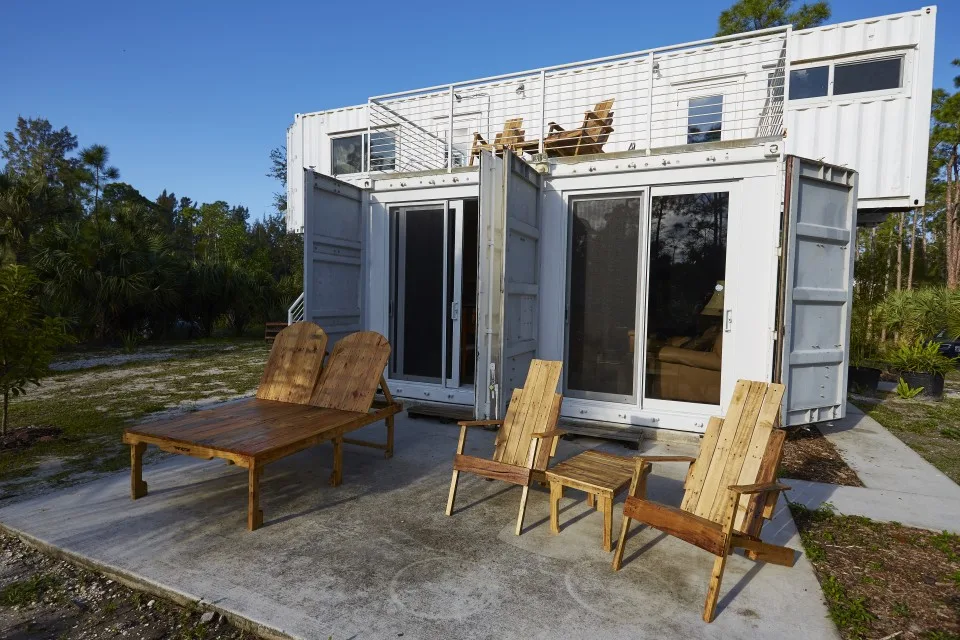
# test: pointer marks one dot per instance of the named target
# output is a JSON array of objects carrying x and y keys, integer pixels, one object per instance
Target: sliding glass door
[
  {"x": 602, "y": 297},
  {"x": 647, "y": 311},
  {"x": 433, "y": 292}
]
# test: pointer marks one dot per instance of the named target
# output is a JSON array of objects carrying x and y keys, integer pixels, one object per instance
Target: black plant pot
[
  {"x": 932, "y": 383},
  {"x": 864, "y": 378}
]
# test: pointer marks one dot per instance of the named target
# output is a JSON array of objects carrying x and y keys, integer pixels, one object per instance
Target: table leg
[
  {"x": 556, "y": 492},
  {"x": 591, "y": 501},
  {"x": 138, "y": 488},
  {"x": 254, "y": 514},
  {"x": 336, "y": 476},
  {"x": 606, "y": 504}
]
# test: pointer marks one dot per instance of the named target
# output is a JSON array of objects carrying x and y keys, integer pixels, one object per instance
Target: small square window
[
  {"x": 704, "y": 119},
  {"x": 346, "y": 154},
  {"x": 871, "y": 75},
  {"x": 809, "y": 83}
]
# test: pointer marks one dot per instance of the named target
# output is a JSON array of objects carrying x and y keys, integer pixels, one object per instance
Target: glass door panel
[
  {"x": 418, "y": 294},
  {"x": 602, "y": 297},
  {"x": 433, "y": 273},
  {"x": 685, "y": 298}
]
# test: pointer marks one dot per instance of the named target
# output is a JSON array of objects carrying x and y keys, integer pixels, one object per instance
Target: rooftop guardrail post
[
  {"x": 450, "y": 133},
  {"x": 543, "y": 101}
]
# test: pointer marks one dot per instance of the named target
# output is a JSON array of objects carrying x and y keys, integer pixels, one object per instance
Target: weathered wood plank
[{"x": 492, "y": 469}]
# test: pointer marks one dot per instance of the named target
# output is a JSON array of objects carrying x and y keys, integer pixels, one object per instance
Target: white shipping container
[
  {"x": 734, "y": 85},
  {"x": 618, "y": 266}
]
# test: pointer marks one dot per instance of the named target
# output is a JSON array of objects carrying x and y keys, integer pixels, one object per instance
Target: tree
[
  {"x": 95, "y": 158},
  {"x": 753, "y": 15},
  {"x": 36, "y": 147},
  {"x": 28, "y": 339},
  {"x": 278, "y": 171},
  {"x": 945, "y": 164}
]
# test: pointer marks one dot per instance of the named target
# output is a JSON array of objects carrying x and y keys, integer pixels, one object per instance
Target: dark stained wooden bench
[{"x": 261, "y": 430}]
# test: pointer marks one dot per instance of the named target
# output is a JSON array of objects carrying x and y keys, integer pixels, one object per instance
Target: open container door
[
  {"x": 820, "y": 230},
  {"x": 508, "y": 286},
  {"x": 333, "y": 254}
]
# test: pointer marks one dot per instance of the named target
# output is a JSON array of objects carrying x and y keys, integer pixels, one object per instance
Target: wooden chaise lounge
[{"x": 289, "y": 414}]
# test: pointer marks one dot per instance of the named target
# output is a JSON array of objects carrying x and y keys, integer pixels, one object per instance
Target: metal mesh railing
[{"x": 712, "y": 90}]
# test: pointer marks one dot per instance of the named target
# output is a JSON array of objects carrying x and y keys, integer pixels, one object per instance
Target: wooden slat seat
[
  {"x": 730, "y": 488},
  {"x": 257, "y": 431}
]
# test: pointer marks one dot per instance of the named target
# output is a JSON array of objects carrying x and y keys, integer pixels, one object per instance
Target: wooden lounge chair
[
  {"x": 512, "y": 137},
  {"x": 527, "y": 438},
  {"x": 589, "y": 138},
  {"x": 253, "y": 433},
  {"x": 730, "y": 487}
]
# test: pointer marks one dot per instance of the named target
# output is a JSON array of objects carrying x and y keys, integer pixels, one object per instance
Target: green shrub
[
  {"x": 919, "y": 356},
  {"x": 905, "y": 391}
]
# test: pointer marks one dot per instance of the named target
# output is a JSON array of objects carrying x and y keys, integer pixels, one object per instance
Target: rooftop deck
[{"x": 711, "y": 90}]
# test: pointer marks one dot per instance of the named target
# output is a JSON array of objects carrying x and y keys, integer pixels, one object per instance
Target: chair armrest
[
  {"x": 479, "y": 423},
  {"x": 689, "y": 459},
  {"x": 552, "y": 433},
  {"x": 690, "y": 358},
  {"x": 763, "y": 487},
  {"x": 553, "y": 126}
]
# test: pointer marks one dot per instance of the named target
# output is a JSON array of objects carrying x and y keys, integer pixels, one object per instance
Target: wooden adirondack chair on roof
[
  {"x": 512, "y": 137},
  {"x": 589, "y": 138},
  {"x": 730, "y": 486},
  {"x": 526, "y": 440}
]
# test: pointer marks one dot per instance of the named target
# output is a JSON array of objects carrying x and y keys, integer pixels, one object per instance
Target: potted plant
[{"x": 920, "y": 364}]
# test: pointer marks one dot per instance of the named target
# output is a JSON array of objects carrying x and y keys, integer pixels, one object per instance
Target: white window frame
[
  {"x": 365, "y": 146},
  {"x": 729, "y": 88},
  {"x": 906, "y": 76}
]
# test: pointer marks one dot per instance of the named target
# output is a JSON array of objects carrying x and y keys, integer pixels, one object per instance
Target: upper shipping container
[{"x": 857, "y": 95}]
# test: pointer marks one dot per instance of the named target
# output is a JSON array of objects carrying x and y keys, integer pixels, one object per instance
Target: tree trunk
[
  {"x": 6, "y": 406},
  {"x": 951, "y": 223},
  {"x": 886, "y": 285},
  {"x": 913, "y": 246},
  {"x": 900, "y": 224}
]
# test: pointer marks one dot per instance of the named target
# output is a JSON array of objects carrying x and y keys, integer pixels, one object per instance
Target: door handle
[
  {"x": 454, "y": 310},
  {"x": 728, "y": 321}
]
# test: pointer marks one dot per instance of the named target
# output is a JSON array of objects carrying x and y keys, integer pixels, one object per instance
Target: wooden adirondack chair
[
  {"x": 527, "y": 438},
  {"x": 512, "y": 137},
  {"x": 589, "y": 138},
  {"x": 730, "y": 486}
]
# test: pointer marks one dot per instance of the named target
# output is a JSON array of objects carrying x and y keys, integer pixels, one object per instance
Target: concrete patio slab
[{"x": 377, "y": 558}]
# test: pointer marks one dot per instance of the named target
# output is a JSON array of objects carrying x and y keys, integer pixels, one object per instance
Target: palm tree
[{"x": 95, "y": 158}]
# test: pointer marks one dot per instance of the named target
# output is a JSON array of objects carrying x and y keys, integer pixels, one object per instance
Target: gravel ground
[{"x": 42, "y": 597}]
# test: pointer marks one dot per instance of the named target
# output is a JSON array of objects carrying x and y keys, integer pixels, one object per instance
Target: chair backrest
[
  {"x": 512, "y": 133},
  {"x": 350, "y": 379},
  {"x": 736, "y": 450},
  {"x": 533, "y": 409},
  {"x": 596, "y": 123},
  {"x": 294, "y": 365}
]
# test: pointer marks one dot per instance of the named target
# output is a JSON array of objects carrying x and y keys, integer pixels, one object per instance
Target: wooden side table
[{"x": 601, "y": 475}]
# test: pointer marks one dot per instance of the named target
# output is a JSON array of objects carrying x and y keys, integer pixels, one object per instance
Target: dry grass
[
  {"x": 91, "y": 407},
  {"x": 884, "y": 580}
]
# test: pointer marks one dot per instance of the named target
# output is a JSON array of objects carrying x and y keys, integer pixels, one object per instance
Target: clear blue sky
[{"x": 191, "y": 96}]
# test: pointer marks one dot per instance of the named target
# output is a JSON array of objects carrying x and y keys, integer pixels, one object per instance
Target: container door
[
  {"x": 820, "y": 229},
  {"x": 508, "y": 287},
  {"x": 333, "y": 256}
]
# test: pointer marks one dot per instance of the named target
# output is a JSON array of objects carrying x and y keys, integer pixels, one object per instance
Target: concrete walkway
[
  {"x": 900, "y": 486},
  {"x": 377, "y": 558}
]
